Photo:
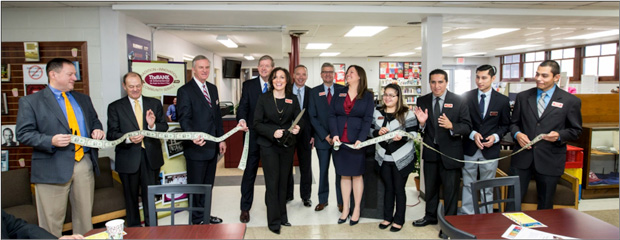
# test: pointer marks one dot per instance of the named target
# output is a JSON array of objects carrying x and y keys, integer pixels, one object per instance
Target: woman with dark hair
[
  {"x": 396, "y": 157},
  {"x": 349, "y": 122},
  {"x": 275, "y": 112}
]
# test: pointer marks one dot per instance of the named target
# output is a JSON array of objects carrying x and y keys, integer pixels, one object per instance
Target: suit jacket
[
  {"x": 449, "y": 144},
  {"x": 251, "y": 90},
  {"x": 121, "y": 120},
  {"x": 40, "y": 118},
  {"x": 359, "y": 119},
  {"x": 496, "y": 121},
  {"x": 319, "y": 116},
  {"x": 305, "y": 134},
  {"x": 195, "y": 115},
  {"x": 562, "y": 114},
  {"x": 267, "y": 119},
  {"x": 17, "y": 228}
]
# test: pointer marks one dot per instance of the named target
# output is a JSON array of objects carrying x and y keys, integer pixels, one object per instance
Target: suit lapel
[
  {"x": 476, "y": 103},
  {"x": 494, "y": 95},
  {"x": 198, "y": 91},
  {"x": 126, "y": 106},
  {"x": 556, "y": 97},
  {"x": 52, "y": 104},
  {"x": 531, "y": 100}
]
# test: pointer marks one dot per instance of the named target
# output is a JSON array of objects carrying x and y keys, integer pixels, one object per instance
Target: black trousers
[
  {"x": 545, "y": 186},
  {"x": 435, "y": 175},
  {"x": 200, "y": 172},
  {"x": 134, "y": 183},
  {"x": 304, "y": 156},
  {"x": 394, "y": 191},
  {"x": 277, "y": 162},
  {"x": 249, "y": 174}
]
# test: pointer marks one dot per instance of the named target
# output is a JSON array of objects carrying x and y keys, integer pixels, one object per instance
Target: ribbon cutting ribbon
[
  {"x": 94, "y": 143},
  {"x": 391, "y": 135}
]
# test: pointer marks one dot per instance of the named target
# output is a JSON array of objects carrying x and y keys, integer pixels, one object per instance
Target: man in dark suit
[
  {"x": 17, "y": 228},
  {"x": 250, "y": 92},
  {"x": 60, "y": 170},
  {"x": 198, "y": 111},
  {"x": 545, "y": 109},
  {"x": 490, "y": 116},
  {"x": 443, "y": 130},
  {"x": 138, "y": 159},
  {"x": 305, "y": 141},
  {"x": 320, "y": 97}
]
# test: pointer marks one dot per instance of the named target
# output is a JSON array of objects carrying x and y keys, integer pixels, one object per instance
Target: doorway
[{"x": 460, "y": 78}]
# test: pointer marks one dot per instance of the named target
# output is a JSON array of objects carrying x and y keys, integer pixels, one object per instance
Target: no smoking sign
[{"x": 34, "y": 74}]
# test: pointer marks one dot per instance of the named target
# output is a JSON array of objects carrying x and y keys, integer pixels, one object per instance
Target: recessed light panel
[
  {"x": 364, "y": 31},
  {"x": 596, "y": 35},
  {"x": 318, "y": 45},
  {"x": 488, "y": 33},
  {"x": 517, "y": 47},
  {"x": 401, "y": 54},
  {"x": 329, "y": 54}
]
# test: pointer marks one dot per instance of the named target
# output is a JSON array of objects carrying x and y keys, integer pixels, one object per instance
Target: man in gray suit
[{"x": 60, "y": 170}]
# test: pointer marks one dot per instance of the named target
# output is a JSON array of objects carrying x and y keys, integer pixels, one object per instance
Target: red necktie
[
  {"x": 206, "y": 93},
  {"x": 329, "y": 96}
]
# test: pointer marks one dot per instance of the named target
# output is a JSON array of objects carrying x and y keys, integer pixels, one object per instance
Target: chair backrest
[
  {"x": 176, "y": 190},
  {"x": 448, "y": 229},
  {"x": 511, "y": 183},
  {"x": 16, "y": 188}
]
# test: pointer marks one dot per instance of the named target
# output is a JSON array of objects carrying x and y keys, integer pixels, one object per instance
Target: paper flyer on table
[
  {"x": 524, "y": 220},
  {"x": 101, "y": 235},
  {"x": 519, "y": 232}
]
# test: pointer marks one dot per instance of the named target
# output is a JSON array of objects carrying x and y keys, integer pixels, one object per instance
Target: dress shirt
[
  {"x": 133, "y": 109},
  {"x": 487, "y": 100},
  {"x": 547, "y": 99},
  {"x": 300, "y": 91},
  {"x": 79, "y": 115}
]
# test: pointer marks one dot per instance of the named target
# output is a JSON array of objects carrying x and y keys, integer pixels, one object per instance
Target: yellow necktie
[
  {"x": 137, "y": 110},
  {"x": 74, "y": 126}
]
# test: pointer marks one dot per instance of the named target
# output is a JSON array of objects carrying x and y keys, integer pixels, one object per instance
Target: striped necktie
[
  {"x": 206, "y": 93},
  {"x": 541, "y": 104},
  {"x": 74, "y": 126}
]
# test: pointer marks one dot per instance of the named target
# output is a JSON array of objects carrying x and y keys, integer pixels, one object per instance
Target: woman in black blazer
[
  {"x": 275, "y": 112},
  {"x": 349, "y": 122}
]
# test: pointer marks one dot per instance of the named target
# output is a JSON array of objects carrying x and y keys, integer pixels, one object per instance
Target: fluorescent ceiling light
[
  {"x": 364, "y": 31},
  {"x": 488, "y": 33},
  {"x": 188, "y": 58},
  {"x": 401, "y": 54},
  {"x": 318, "y": 45},
  {"x": 470, "y": 54},
  {"x": 442, "y": 45},
  {"x": 329, "y": 54},
  {"x": 517, "y": 47},
  {"x": 596, "y": 35},
  {"x": 249, "y": 57},
  {"x": 223, "y": 39}
]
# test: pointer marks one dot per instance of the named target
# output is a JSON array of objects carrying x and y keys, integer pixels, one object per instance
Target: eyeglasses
[
  {"x": 326, "y": 72},
  {"x": 390, "y": 95}
]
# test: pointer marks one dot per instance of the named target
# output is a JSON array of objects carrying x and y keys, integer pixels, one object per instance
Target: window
[
  {"x": 566, "y": 58},
  {"x": 600, "y": 60},
  {"x": 510, "y": 66},
  {"x": 532, "y": 60}
]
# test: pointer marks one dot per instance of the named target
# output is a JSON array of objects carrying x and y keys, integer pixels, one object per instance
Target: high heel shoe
[
  {"x": 351, "y": 222},
  {"x": 341, "y": 221},
  {"x": 381, "y": 226}
]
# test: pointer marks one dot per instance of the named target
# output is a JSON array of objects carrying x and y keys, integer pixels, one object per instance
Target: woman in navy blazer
[{"x": 349, "y": 122}]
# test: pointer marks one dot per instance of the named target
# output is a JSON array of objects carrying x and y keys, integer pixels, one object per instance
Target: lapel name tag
[
  {"x": 289, "y": 101},
  {"x": 342, "y": 95},
  {"x": 557, "y": 104},
  {"x": 447, "y": 105},
  {"x": 321, "y": 94},
  {"x": 493, "y": 113},
  {"x": 380, "y": 118}
]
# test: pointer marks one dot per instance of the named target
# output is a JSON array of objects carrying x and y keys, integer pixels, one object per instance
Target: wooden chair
[
  {"x": 178, "y": 189},
  {"x": 496, "y": 184}
]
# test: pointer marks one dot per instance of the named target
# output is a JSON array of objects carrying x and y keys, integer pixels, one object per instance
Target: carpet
[{"x": 610, "y": 216}]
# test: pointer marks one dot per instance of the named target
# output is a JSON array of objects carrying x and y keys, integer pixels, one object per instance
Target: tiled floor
[{"x": 310, "y": 224}]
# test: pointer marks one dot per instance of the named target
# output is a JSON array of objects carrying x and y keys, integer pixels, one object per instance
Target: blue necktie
[
  {"x": 265, "y": 88},
  {"x": 482, "y": 104}
]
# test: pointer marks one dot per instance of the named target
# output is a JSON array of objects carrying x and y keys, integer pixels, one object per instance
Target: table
[
  {"x": 205, "y": 231},
  {"x": 564, "y": 221}
]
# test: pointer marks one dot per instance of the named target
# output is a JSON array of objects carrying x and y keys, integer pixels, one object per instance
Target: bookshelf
[{"x": 406, "y": 75}]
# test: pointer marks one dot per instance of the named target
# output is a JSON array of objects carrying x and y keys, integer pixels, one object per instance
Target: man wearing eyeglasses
[{"x": 320, "y": 98}]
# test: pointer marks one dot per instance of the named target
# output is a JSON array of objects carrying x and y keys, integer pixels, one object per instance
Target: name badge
[
  {"x": 217, "y": 102},
  {"x": 321, "y": 94},
  {"x": 342, "y": 95},
  {"x": 493, "y": 113},
  {"x": 447, "y": 105},
  {"x": 557, "y": 104},
  {"x": 380, "y": 118},
  {"x": 289, "y": 101}
]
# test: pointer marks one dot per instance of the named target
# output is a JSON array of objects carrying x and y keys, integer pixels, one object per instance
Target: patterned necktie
[
  {"x": 482, "y": 104},
  {"x": 329, "y": 95},
  {"x": 137, "y": 110},
  {"x": 436, "y": 113},
  {"x": 541, "y": 104},
  {"x": 206, "y": 93},
  {"x": 265, "y": 88},
  {"x": 74, "y": 126},
  {"x": 299, "y": 98}
]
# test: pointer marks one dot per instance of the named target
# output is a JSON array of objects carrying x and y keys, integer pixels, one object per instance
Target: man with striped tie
[
  {"x": 545, "y": 109},
  {"x": 61, "y": 170},
  {"x": 198, "y": 110}
]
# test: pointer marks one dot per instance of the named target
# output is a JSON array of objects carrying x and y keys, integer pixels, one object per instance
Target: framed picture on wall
[
  {"x": 5, "y": 160},
  {"x": 31, "y": 51},
  {"x": 5, "y": 106},
  {"x": 6, "y": 72},
  {"x": 8, "y": 136},
  {"x": 33, "y": 88},
  {"x": 174, "y": 147}
]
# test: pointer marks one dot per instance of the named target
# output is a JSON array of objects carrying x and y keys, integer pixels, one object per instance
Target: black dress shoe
[
  {"x": 351, "y": 222},
  {"x": 341, "y": 221},
  {"x": 244, "y": 217},
  {"x": 215, "y": 220},
  {"x": 381, "y": 226},
  {"x": 423, "y": 222},
  {"x": 287, "y": 224},
  {"x": 307, "y": 203},
  {"x": 395, "y": 229},
  {"x": 277, "y": 231}
]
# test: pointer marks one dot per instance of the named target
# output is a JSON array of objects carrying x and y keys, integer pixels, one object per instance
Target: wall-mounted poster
[
  {"x": 8, "y": 136},
  {"x": 5, "y": 106},
  {"x": 31, "y": 51},
  {"x": 399, "y": 70},
  {"x": 138, "y": 48},
  {"x": 175, "y": 178},
  {"x": 339, "y": 73},
  {"x": 6, "y": 72},
  {"x": 174, "y": 147},
  {"x": 78, "y": 76},
  {"x": 160, "y": 78},
  {"x": 34, "y": 74},
  {"x": 33, "y": 88}
]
